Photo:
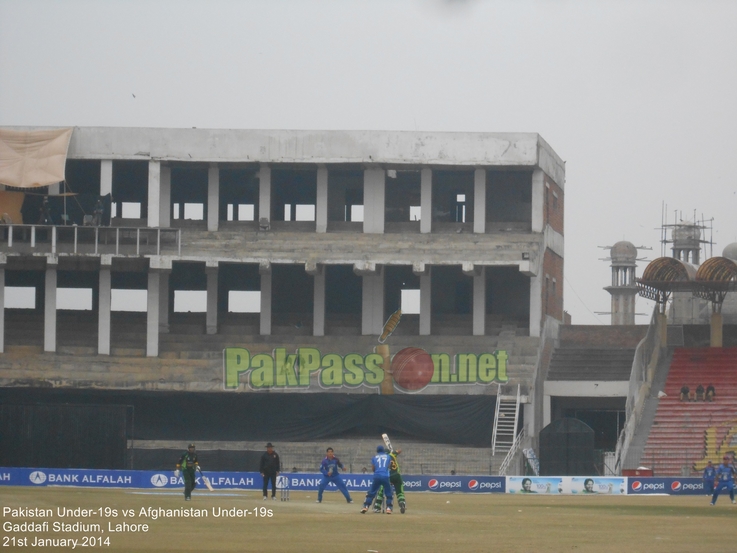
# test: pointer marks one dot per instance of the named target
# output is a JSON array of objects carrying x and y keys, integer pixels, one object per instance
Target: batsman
[
  {"x": 395, "y": 477},
  {"x": 188, "y": 463}
]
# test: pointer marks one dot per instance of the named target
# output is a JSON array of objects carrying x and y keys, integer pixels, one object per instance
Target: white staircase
[{"x": 505, "y": 421}]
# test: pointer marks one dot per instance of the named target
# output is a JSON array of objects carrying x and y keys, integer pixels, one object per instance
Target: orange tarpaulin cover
[{"x": 29, "y": 159}]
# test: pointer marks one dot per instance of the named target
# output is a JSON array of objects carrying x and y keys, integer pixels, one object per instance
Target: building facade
[{"x": 266, "y": 259}]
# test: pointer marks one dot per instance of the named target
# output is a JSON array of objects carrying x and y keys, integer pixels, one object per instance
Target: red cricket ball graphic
[{"x": 412, "y": 369}]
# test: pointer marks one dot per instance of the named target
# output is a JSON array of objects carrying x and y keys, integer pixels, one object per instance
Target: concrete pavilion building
[{"x": 258, "y": 244}]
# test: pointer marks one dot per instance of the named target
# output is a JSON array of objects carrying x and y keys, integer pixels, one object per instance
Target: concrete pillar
[
  {"x": 165, "y": 207},
  {"x": 152, "y": 312},
  {"x": 374, "y": 183},
  {"x": 479, "y": 302},
  {"x": 106, "y": 177},
  {"x": 2, "y": 308},
  {"x": 265, "y": 320},
  {"x": 716, "y": 330},
  {"x": 538, "y": 200},
  {"x": 318, "y": 317},
  {"x": 425, "y": 201},
  {"x": 663, "y": 321},
  {"x": 213, "y": 197},
  {"x": 321, "y": 209},
  {"x": 50, "y": 308},
  {"x": 154, "y": 193},
  {"x": 212, "y": 298},
  {"x": 547, "y": 414},
  {"x": 104, "y": 311},
  {"x": 164, "y": 306},
  {"x": 264, "y": 196},
  {"x": 372, "y": 309},
  {"x": 479, "y": 201},
  {"x": 425, "y": 304},
  {"x": 536, "y": 304}
]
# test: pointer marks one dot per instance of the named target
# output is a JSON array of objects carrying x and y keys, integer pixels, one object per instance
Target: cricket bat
[
  {"x": 387, "y": 442},
  {"x": 206, "y": 480}
]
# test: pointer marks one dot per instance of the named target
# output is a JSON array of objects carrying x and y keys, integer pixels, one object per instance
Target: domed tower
[
  {"x": 687, "y": 242},
  {"x": 624, "y": 288},
  {"x": 730, "y": 251}
]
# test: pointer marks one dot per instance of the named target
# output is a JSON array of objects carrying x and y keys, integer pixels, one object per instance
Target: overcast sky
[{"x": 638, "y": 97}]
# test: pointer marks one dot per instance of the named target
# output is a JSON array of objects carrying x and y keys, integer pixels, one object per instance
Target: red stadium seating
[{"x": 677, "y": 437}]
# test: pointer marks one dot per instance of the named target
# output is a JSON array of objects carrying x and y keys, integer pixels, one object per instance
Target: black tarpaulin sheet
[{"x": 447, "y": 419}]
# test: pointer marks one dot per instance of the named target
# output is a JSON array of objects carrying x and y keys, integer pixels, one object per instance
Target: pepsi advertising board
[{"x": 670, "y": 486}]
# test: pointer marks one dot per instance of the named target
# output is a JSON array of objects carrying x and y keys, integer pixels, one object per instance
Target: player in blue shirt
[
  {"x": 381, "y": 463},
  {"x": 725, "y": 479},
  {"x": 329, "y": 469},
  {"x": 710, "y": 473}
]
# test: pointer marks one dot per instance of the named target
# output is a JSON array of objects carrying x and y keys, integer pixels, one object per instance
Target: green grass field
[{"x": 434, "y": 522}]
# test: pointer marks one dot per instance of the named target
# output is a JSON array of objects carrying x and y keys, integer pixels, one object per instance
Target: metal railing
[
  {"x": 512, "y": 453},
  {"x": 79, "y": 240},
  {"x": 646, "y": 357}
]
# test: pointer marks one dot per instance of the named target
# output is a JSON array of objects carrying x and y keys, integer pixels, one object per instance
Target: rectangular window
[
  {"x": 244, "y": 301},
  {"x": 20, "y": 297},
  {"x": 194, "y": 212},
  {"x": 304, "y": 212},
  {"x": 128, "y": 300},
  {"x": 131, "y": 210},
  {"x": 75, "y": 299},
  {"x": 410, "y": 302},
  {"x": 357, "y": 213},
  {"x": 190, "y": 301}
]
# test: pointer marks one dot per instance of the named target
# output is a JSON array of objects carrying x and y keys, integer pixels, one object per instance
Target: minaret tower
[{"x": 624, "y": 288}]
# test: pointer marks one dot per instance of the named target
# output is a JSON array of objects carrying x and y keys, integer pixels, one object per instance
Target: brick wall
[
  {"x": 552, "y": 289},
  {"x": 553, "y": 205}
]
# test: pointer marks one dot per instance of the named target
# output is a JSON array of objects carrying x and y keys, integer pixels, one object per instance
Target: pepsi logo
[
  {"x": 433, "y": 484},
  {"x": 636, "y": 486},
  {"x": 473, "y": 484},
  {"x": 675, "y": 486}
]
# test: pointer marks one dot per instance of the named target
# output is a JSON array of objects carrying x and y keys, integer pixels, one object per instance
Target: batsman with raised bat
[{"x": 395, "y": 479}]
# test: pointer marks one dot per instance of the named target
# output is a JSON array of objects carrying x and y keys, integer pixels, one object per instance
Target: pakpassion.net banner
[{"x": 409, "y": 370}]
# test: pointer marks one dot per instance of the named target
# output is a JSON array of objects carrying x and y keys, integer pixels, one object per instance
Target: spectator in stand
[
  {"x": 699, "y": 393},
  {"x": 710, "y": 473},
  {"x": 710, "y": 392},
  {"x": 685, "y": 393}
]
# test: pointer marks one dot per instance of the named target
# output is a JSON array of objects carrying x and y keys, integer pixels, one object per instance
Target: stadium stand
[{"x": 677, "y": 438}]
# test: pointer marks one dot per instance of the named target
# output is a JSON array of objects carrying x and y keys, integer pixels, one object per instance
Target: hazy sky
[{"x": 638, "y": 97}]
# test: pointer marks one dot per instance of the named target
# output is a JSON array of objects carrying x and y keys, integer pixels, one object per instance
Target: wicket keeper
[
  {"x": 395, "y": 477},
  {"x": 188, "y": 464}
]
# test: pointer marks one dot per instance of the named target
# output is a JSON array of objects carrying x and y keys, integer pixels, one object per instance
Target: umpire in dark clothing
[{"x": 269, "y": 469}]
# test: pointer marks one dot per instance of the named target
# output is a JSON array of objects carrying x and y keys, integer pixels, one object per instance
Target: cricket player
[
  {"x": 188, "y": 464},
  {"x": 710, "y": 474},
  {"x": 395, "y": 477},
  {"x": 329, "y": 469},
  {"x": 380, "y": 462},
  {"x": 725, "y": 479}
]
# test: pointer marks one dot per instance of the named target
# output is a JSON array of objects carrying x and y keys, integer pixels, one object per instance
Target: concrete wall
[{"x": 625, "y": 336}]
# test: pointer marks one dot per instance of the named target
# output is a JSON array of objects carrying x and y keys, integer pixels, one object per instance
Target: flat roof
[{"x": 452, "y": 149}]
